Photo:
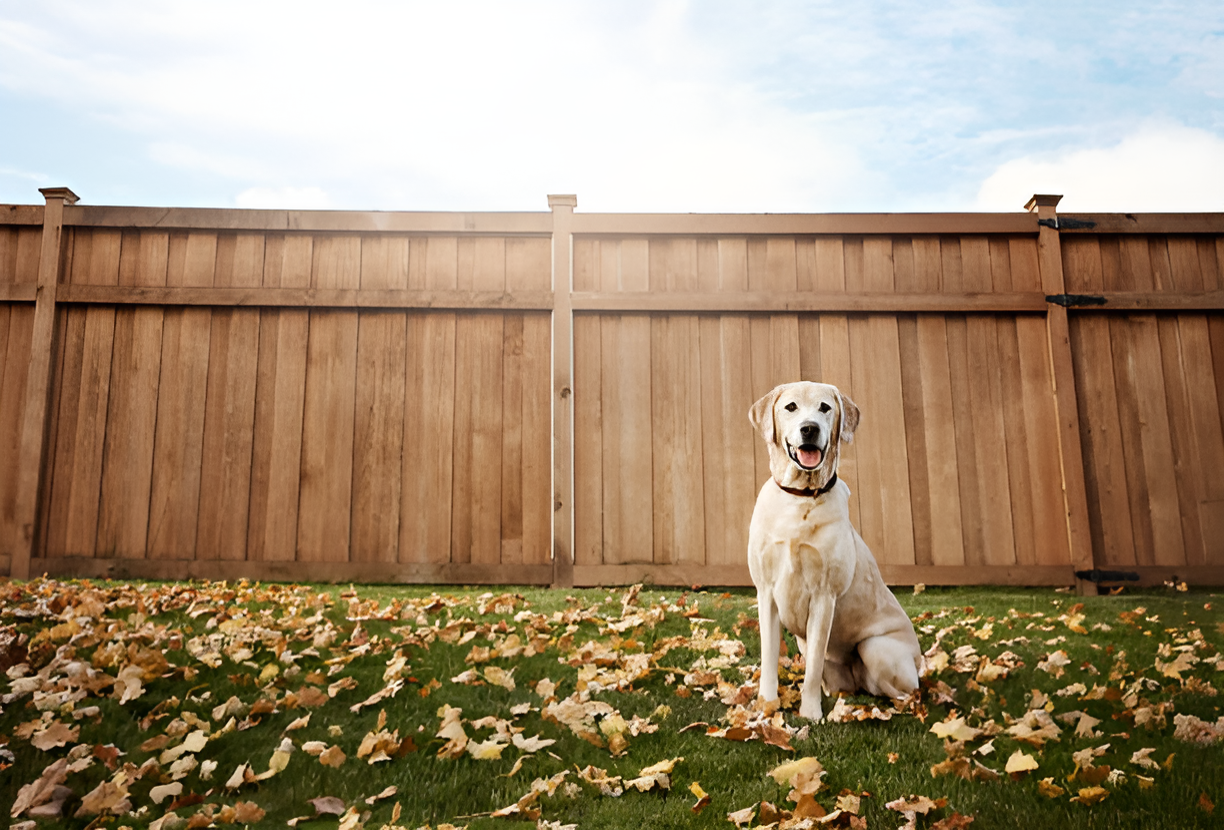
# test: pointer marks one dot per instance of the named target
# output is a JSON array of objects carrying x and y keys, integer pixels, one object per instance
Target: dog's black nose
[{"x": 809, "y": 431}]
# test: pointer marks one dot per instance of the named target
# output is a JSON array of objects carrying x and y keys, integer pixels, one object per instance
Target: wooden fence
[{"x": 560, "y": 397}]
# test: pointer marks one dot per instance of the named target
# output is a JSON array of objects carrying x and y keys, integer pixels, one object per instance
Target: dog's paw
[{"x": 811, "y": 710}]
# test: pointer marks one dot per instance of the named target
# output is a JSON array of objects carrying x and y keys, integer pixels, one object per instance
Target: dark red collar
[{"x": 809, "y": 492}]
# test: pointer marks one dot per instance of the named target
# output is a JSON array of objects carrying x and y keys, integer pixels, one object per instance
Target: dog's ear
[
  {"x": 762, "y": 416},
  {"x": 850, "y": 419}
]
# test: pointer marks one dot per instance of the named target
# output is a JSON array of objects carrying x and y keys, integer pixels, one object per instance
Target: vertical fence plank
[
  {"x": 429, "y": 439},
  {"x": 229, "y": 407},
  {"x": 628, "y": 451},
  {"x": 178, "y": 446},
  {"x": 884, "y": 499},
  {"x": 127, "y": 473},
  {"x": 479, "y": 405},
  {"x": 529, "y": 267},
  {"x": 1040, "y": 419},
  {"x": 16, "y": 334},
  {"x": 276, "y": 453},
  {"x": 429, "y": 410},
  {"x": 1207, "y": 430},
  {"x": 942, "y": 465},
  {"x": 83, "y": 479},
  {"x": 1168, "y": 544},
  {"x": 325, "y": 513},
  {"x": 990, "y": 439},
  {"x": 378, "y": 428}
]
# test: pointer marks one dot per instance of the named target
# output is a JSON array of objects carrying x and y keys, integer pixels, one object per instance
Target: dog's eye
[
  {"x": 791, "y": 407},
  {"x": 824, "y": 407}
]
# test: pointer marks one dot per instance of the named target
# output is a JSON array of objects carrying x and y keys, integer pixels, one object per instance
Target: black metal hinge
[
  {"x": 1069, "y": 300},
  {"x": 1067, "y": 223}
]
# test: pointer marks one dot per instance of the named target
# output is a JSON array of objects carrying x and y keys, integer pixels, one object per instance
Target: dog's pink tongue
[{"x": 808, "y": 458}]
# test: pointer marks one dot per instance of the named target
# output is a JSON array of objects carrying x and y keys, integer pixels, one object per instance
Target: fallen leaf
[
  {"x": 703, "y": 798},
  {"x": 1049, "y": 789},
  {"x": 327, "y": 805},
  {"x": 741, "y": 817},
  {"x": 40, "y": 791},
  {"x": 57, "y": 734},
  {"x": 161, "y": 793},
  {"x": 1091, "y": 795},
  {"x": 1020, "y": 762}
]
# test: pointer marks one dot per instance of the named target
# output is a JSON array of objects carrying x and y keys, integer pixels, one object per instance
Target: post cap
[
  {"x": 1042, "y": 200},
  {"x": 64, "y": 193},
  {"x": 569, "y": 200}
]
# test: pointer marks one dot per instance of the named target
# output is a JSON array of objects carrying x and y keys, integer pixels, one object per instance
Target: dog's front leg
[
  {"x": 771, "y": 643},
  {"x": 820, "y": 623}
]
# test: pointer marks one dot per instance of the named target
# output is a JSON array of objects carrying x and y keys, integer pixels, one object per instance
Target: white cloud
[
  {"x": 283, "y": 198},
  {"x": 1158, "y": 168}
]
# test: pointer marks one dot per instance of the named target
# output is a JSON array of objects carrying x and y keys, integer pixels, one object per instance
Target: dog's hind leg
[
  {"x": 888, "y": 668},
  {"x": 819, "y": 624},
  {"x": 771, "y": 644}
]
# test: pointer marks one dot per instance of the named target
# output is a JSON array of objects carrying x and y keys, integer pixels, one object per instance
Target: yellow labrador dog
[{"x": 813, "y": 573}]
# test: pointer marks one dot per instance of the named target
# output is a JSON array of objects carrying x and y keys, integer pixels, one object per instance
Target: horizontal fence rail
[{"x": 561, "y": 398}]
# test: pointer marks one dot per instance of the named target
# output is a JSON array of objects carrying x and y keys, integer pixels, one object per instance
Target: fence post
[
  {"x": 32, "y": 451},
  {"x": 1071, "y": 456},
  {"x": 562, "y": 207}
]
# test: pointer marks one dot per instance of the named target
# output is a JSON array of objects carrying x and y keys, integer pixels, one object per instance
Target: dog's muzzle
[{"x": 808, "y": 454}]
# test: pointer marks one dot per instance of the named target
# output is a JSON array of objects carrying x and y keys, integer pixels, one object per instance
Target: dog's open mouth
[{"x": 806, "y": 456}]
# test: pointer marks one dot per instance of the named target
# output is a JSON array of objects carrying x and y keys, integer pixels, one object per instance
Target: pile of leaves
[{"x": 187, "y": 705}]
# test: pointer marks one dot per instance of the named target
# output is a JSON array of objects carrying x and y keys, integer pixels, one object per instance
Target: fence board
[
  {"x": 675, "y": 378},
  {"x": 429, "y": 439},
  {"x": 276, "y": 449},
  {"x": 588, "y": 431},
  {"x": 940, "y": 440},
  {"x": 884, "y": 508},
  {"x": 136, "y": 364},
  {"x": 325, "y": 499},
  {"x": 990, "y": 440},
  {"x": 16, "y": 334},
  {"x": 229, "y": 405},
  {"x": 379, "y": 416},
  {"x": 537, "y": 446}
]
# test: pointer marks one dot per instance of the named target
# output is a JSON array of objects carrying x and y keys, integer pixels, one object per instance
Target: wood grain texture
[
  {"x": 883, "y": 472},
  {"x": 379, "y": 416},
  {"x": 325, "y": 499},
  {"x": 429, "y": 439},
  {"x": 123, "y": 518},
  {"x": 16, "y": 331},
  {"x": 276, "y": 452},
  {"x": 229, "y": 407}
]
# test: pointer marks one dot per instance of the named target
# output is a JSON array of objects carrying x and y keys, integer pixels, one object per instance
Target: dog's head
[{"x": 803, "y": 425}]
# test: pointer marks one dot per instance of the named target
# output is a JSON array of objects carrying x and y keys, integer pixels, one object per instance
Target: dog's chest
[{"x": 800, "y": 544}]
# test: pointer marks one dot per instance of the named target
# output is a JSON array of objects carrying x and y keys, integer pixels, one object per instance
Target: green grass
[{"x": 161, "y": 618}]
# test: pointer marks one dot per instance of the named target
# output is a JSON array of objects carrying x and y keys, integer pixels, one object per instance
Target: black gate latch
[{"x": 1068, "y": 300}]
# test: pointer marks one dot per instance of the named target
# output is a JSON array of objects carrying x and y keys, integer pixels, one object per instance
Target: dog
[{"x": 813, "y": 573}]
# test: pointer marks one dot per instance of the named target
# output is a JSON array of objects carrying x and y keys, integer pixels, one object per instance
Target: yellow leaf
[
  {"x": 489, "y": 750},
  {"x": 1020, "y": 761},
  {"x": 1091, "y": 795},
  {"x": 956, "y": 730},
  {"x": 332, "y": 757},
  {"x": 784, "y": 773}
]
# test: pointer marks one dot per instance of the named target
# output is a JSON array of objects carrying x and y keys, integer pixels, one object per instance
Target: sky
[{"x": 633, "y": 105}]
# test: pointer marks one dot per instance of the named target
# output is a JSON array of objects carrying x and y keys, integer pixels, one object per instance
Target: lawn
[{"x": 173, "y": 705}]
